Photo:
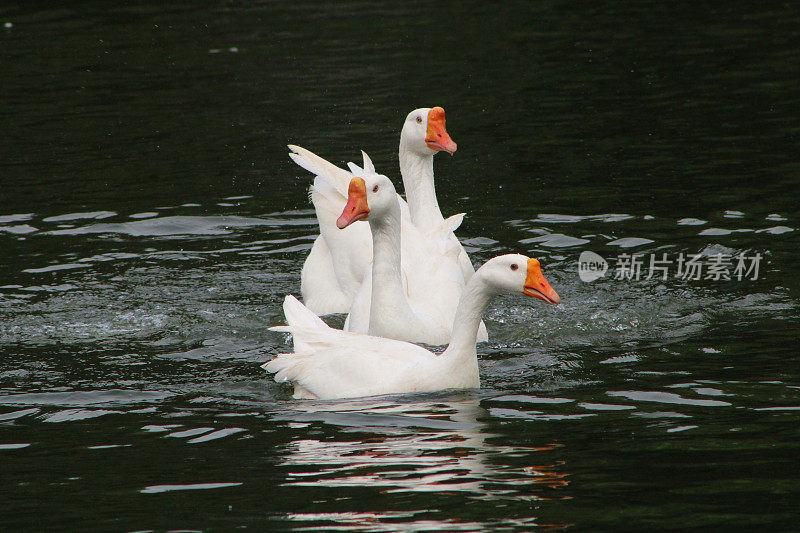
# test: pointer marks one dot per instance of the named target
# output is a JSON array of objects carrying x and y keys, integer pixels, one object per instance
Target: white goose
[
  {"x": 335, "y": 266},
  {"x": 329, "y": 363},
  {"x": 422, "y": 136},
  {"x": 410, "y": 291}
]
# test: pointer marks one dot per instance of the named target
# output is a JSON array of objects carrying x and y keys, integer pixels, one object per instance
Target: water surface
[{"x": 151, "y": 223}]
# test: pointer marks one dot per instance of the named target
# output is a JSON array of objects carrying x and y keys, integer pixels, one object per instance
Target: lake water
[{"x": 151, "y": 223}]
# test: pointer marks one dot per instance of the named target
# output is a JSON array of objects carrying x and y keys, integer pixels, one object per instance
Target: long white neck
[
  {"x": 388, "y": 294},
  {"x": 471, "y": 306},
  {"x": 417, "y": 172}
]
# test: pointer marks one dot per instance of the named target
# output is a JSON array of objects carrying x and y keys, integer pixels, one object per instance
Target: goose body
[
  {"x": 328, "y": 363},
  {"x": 424, "y": 135},
  {"x": 334, "y": 269},
  {"x": 330, "y": 279},
  {"x": 411, "y": 288}
]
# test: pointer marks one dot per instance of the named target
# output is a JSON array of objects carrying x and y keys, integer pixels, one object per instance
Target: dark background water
[{"x": 151, "y": 222}]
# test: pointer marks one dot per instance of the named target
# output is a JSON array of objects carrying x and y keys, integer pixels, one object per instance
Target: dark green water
[{"x": 151, "y": 223}]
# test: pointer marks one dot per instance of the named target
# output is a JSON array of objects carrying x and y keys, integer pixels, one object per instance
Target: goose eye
[
  {"x": 419, "y": 120},
  {"x": 514, "y": 266},
  {"x": 375, "y": 189}
]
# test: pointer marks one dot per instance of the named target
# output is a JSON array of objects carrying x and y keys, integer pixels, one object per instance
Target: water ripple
[
  {"x": 158, "y": 489},
  {"x": 666, "y": 397}
]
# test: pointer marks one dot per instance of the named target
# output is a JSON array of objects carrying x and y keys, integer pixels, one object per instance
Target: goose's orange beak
[
  {"x": 537, "y": 286},
  {"x": 437, "y": 137},
  {"x": 356, "y": 207}
]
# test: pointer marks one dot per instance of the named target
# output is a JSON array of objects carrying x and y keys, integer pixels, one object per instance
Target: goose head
[
  {"x": 370, "y": 196},
  {"x": 517, "y": 273},
  {"x": 424, "y": 132}
]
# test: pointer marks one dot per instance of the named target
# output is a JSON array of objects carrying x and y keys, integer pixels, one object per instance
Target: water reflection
[{"x": 428, "y": 446}]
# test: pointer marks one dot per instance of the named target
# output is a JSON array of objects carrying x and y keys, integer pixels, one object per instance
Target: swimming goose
[
  {"x": 329, "y": 363},
  {"x": 411, "y": 289},
  {"x": 423, "y": 136}
]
